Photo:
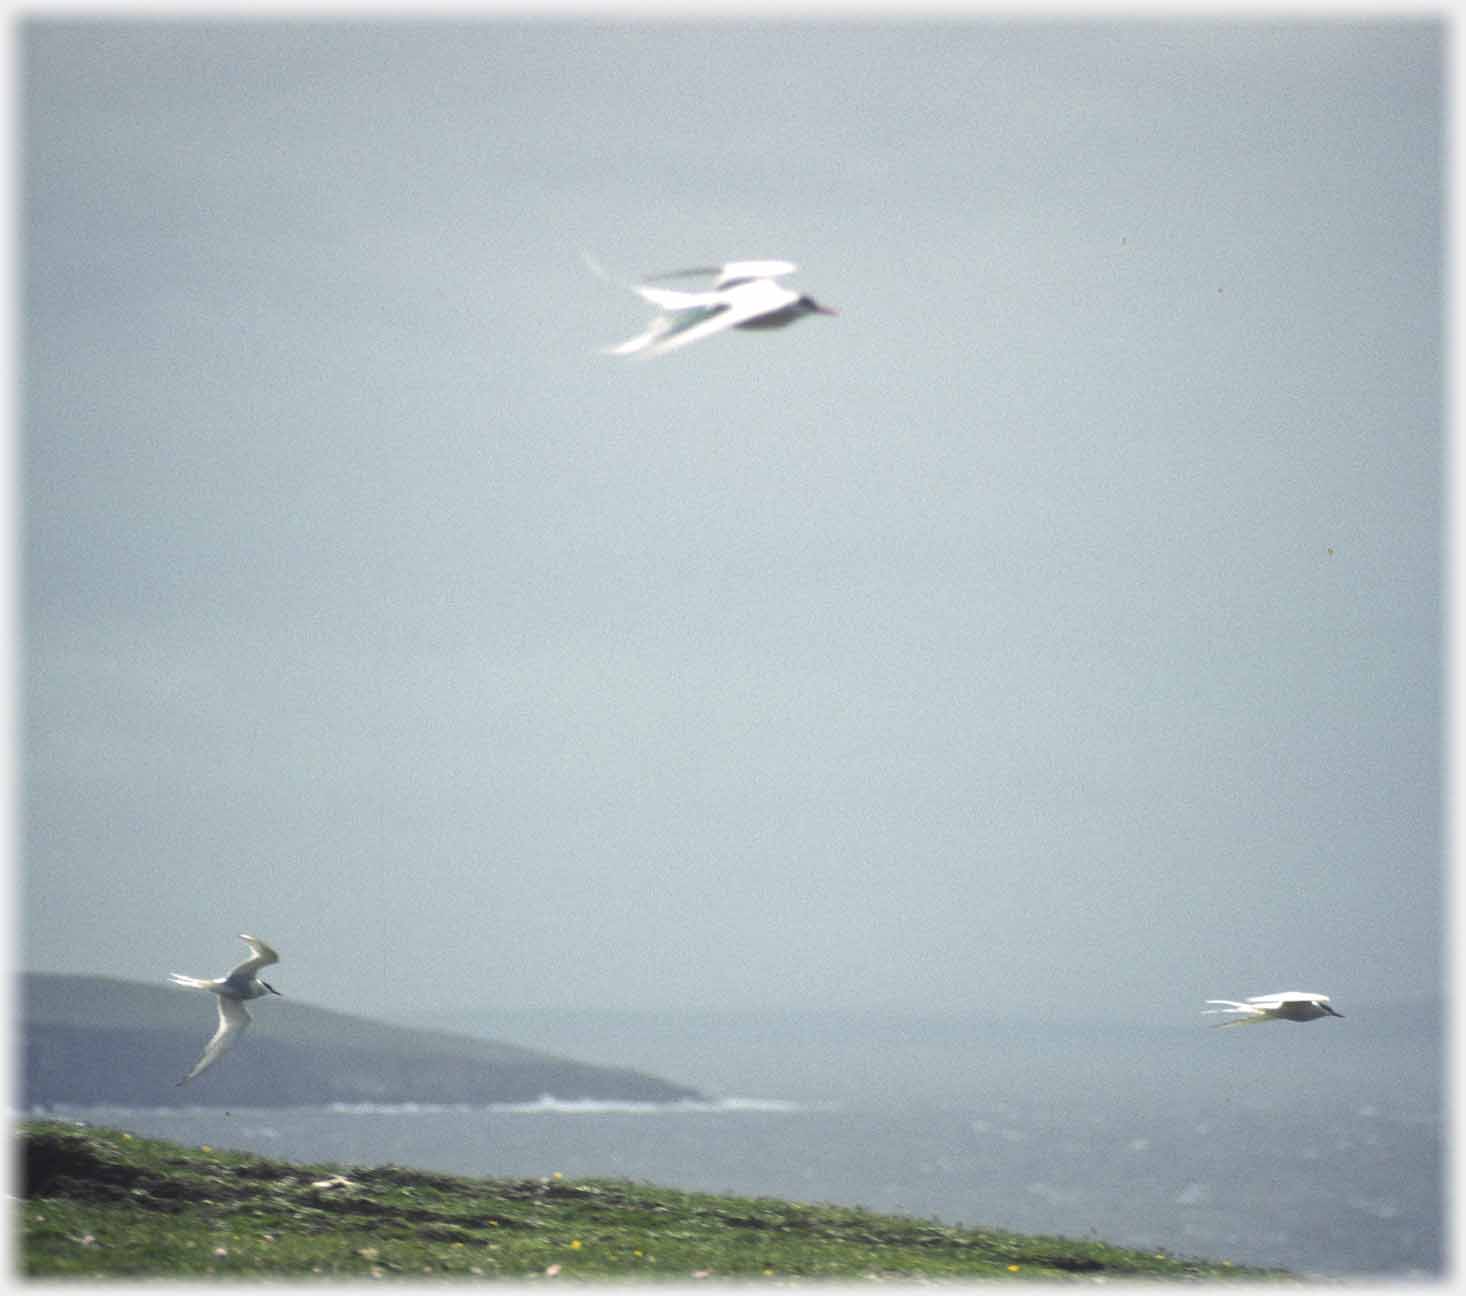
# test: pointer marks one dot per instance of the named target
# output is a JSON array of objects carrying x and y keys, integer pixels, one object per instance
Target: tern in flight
[
  {"x": 745, "y": 294},
  {"x": 1289, "y": 1005},
  {"x": 241, "y": 984}
]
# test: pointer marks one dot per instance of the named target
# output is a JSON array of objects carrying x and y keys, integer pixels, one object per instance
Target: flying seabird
[
  {"x": 1287, "y": 1005},
  {"x": 241, "y": 984},
  {"x": 745, "y": 294}
]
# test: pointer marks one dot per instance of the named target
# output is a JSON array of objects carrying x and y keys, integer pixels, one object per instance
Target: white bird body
[
  {"x": 744, "y": 294},
  {"x": 242, "y": 983},
  {"x": 1286, "y": 1005}
]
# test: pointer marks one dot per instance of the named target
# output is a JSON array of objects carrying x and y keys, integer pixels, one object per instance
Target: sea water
[{"x": 1317, "y": 1152}]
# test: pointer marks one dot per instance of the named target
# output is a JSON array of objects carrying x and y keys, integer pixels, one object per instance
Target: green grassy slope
[{"x": 102, "y": 1203}]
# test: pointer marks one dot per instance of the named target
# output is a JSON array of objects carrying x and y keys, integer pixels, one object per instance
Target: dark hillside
[{"x": 95, "y": 1040}]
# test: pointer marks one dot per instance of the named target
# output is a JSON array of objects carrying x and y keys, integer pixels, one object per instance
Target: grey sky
[{"x": 1060, "y": 624}]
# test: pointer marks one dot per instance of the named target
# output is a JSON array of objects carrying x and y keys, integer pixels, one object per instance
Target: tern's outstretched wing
[
  {"x": 674, "y": 299},
  {"x": 681, "y": 311},
  {"x": 232, "y": 1020},
  {"x": 737, "y": 271},
  {"x": 261, "y": 956},
  {"x": 665, "y": 327},
  {"x": 689, "y": 317},
  {"x": 1248, "y": 1013}
]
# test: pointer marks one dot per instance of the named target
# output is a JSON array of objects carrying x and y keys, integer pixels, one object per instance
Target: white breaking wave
[
  {"x": 545, "y": 1104},
  {"x": 548, "y": 1104}
]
